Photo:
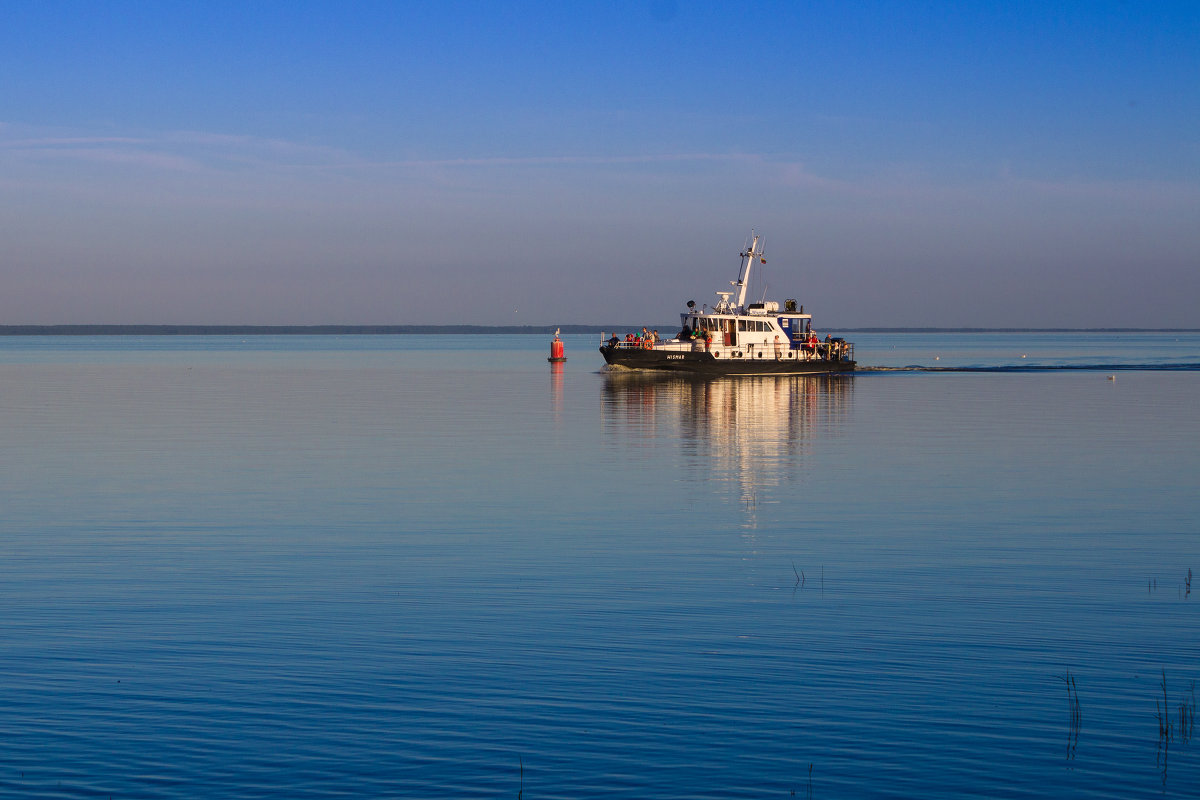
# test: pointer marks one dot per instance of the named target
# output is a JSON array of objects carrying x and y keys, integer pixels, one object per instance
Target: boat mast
[{"x": 743, "y": 281}]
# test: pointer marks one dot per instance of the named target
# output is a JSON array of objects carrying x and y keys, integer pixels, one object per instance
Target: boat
[{"x": 733, "y": 338}]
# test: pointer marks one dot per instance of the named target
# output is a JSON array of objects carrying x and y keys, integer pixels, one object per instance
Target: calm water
[{"x": 439, "y": 567}]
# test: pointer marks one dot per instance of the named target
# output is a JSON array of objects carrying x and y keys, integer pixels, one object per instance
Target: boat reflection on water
[
  {"x": 753, "y": 432},
  {"x": 556, "y": 390}
]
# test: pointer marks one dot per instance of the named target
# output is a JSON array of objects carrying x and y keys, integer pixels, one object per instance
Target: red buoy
[{"x": 556, "y": 351}]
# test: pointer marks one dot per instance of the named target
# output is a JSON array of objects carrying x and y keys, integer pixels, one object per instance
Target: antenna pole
[{"x": 748, "y": 257}]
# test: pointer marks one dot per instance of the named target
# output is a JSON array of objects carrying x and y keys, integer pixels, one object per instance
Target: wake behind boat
[{"x": 735, "y": 339}]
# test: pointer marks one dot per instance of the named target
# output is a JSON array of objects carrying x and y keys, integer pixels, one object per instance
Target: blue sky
[{"x": 911, "y": 164}]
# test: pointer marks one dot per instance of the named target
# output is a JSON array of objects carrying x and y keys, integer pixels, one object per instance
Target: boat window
[{"x": 742, "y": 325}]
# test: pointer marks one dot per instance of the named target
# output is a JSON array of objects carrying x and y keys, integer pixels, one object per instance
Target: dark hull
[{"x": 702, "y": 363}]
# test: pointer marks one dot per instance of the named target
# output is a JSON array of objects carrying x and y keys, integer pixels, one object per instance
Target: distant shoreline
[{"x": 358, "y": 330}]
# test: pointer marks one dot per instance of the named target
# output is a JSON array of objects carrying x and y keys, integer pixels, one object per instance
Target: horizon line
[{"x": 168, "y": 329}]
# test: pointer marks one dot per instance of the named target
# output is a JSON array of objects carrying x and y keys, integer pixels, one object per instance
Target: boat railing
[
  {"x": 837, "y": 351},
  {"x": 661, "y": 344}
]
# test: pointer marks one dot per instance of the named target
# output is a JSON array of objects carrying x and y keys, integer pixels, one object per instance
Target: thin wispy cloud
[
  {"x": 187, "y": 151},
  {"x": 193, "y": 151},
  {"x": 206, "y": 151},
  {"x": 66, "y": 141},
  {"x": 586, "y": 160},
  {"x": 150, "y": 159}
]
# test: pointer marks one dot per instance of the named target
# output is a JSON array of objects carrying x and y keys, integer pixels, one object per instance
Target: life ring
[{"x": 716, "y": 355}]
